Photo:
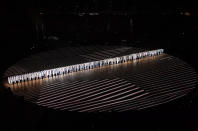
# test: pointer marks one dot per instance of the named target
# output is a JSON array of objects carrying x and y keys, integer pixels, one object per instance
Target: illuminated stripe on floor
[
  {"x": 104, "y": 98},
  {"x": 72, "y": 100},
  {"x": 148, "y": 102},
  {"x": 78, "y": 89},
  {"x": 100, "y": 87},
  {"x": 111, "y": 103}
]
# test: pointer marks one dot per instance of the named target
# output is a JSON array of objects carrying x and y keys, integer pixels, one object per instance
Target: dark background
[{"x": 34, "y": 26}]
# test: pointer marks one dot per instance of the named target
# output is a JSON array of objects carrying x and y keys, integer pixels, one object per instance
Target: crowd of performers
[{"x": 82, "y": 66}]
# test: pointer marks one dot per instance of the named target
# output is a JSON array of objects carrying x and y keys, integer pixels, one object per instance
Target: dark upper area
[{"x": 36, "y": 25}]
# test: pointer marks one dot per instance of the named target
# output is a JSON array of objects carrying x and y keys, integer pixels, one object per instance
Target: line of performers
[{"x": 79, "y": 67}]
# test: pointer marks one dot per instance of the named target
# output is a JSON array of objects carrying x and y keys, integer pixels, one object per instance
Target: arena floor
[{"x": 134, "y": 85}]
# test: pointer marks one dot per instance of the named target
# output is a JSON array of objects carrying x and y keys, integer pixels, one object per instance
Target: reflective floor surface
[{"x": 134, "y": 85}]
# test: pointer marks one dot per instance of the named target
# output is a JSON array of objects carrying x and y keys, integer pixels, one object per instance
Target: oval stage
[{"x": 133, "y": 85}]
